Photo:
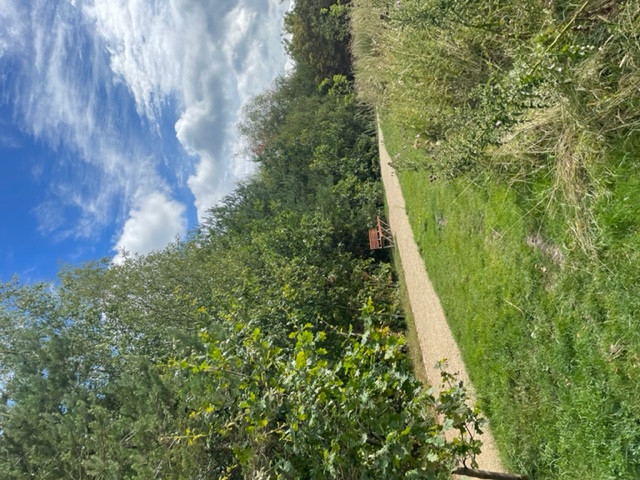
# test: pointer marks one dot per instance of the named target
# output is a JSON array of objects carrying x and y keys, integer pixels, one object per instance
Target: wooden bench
[
  {"x": 374, "y": 239},
  {"x": 380, "y": 236}
]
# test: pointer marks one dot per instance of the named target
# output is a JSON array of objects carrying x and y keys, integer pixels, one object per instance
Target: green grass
[
  {"x": 549, "y": 334},
  {"x": 411, "y": 334}
]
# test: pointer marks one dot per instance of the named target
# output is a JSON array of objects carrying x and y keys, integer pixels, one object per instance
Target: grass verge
[{"x": 411, "y": 334}]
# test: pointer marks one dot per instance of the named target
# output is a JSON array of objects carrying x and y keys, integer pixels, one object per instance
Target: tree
[
  {"x": 320, "y": 37},
  {"x": 295, "y": 412},
  {"x": 82, "y": 393}
]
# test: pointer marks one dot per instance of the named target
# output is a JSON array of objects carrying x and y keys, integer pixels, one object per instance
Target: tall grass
[{"x": 511, "y": 88}]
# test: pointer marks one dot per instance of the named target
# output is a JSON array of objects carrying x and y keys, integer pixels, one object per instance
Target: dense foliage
[
  {"x": 320, "y": 37},
  {"x": 266, "y": 345}
]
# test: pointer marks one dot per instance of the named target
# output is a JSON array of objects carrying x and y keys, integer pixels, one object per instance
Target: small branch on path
[{"x": 475, "y": 473}]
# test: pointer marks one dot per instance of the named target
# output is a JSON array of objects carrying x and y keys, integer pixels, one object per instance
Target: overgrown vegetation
[
  {"x": 266, "y": 345},
  {"x": 515, "y": 127}
]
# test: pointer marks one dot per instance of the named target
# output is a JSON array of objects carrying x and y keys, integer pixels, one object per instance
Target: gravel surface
[{"x": 435, "y": 337}]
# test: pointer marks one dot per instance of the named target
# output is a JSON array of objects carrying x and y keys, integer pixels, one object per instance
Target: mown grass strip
[{"x": 413, "y": 342}]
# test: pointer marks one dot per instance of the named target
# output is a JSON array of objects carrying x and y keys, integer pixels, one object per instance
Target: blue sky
[{"x": 117, "y": 120}]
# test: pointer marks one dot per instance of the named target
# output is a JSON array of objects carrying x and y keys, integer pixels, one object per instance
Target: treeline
[{"x": 266, "y": 345}]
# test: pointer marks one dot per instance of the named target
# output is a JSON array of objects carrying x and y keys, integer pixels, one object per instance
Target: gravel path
[{"x": 436, "y": 340}]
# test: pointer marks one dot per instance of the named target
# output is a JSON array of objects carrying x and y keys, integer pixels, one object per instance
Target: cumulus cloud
[
  {"x": 154, "y": 221},
  {"x": 98, "y": 80},
  {"x": 211, "y": 56}
]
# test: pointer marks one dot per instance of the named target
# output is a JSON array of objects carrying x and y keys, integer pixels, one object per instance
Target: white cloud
[
  {"x": 71, "y": 68},
  {"x": 210, "y": 55},
  {"x": 50, "y": 217},
  {"x": 154, "y": 221},
  {"x": 58, "y": 82},
  {"x": 11, "y": 26}
]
